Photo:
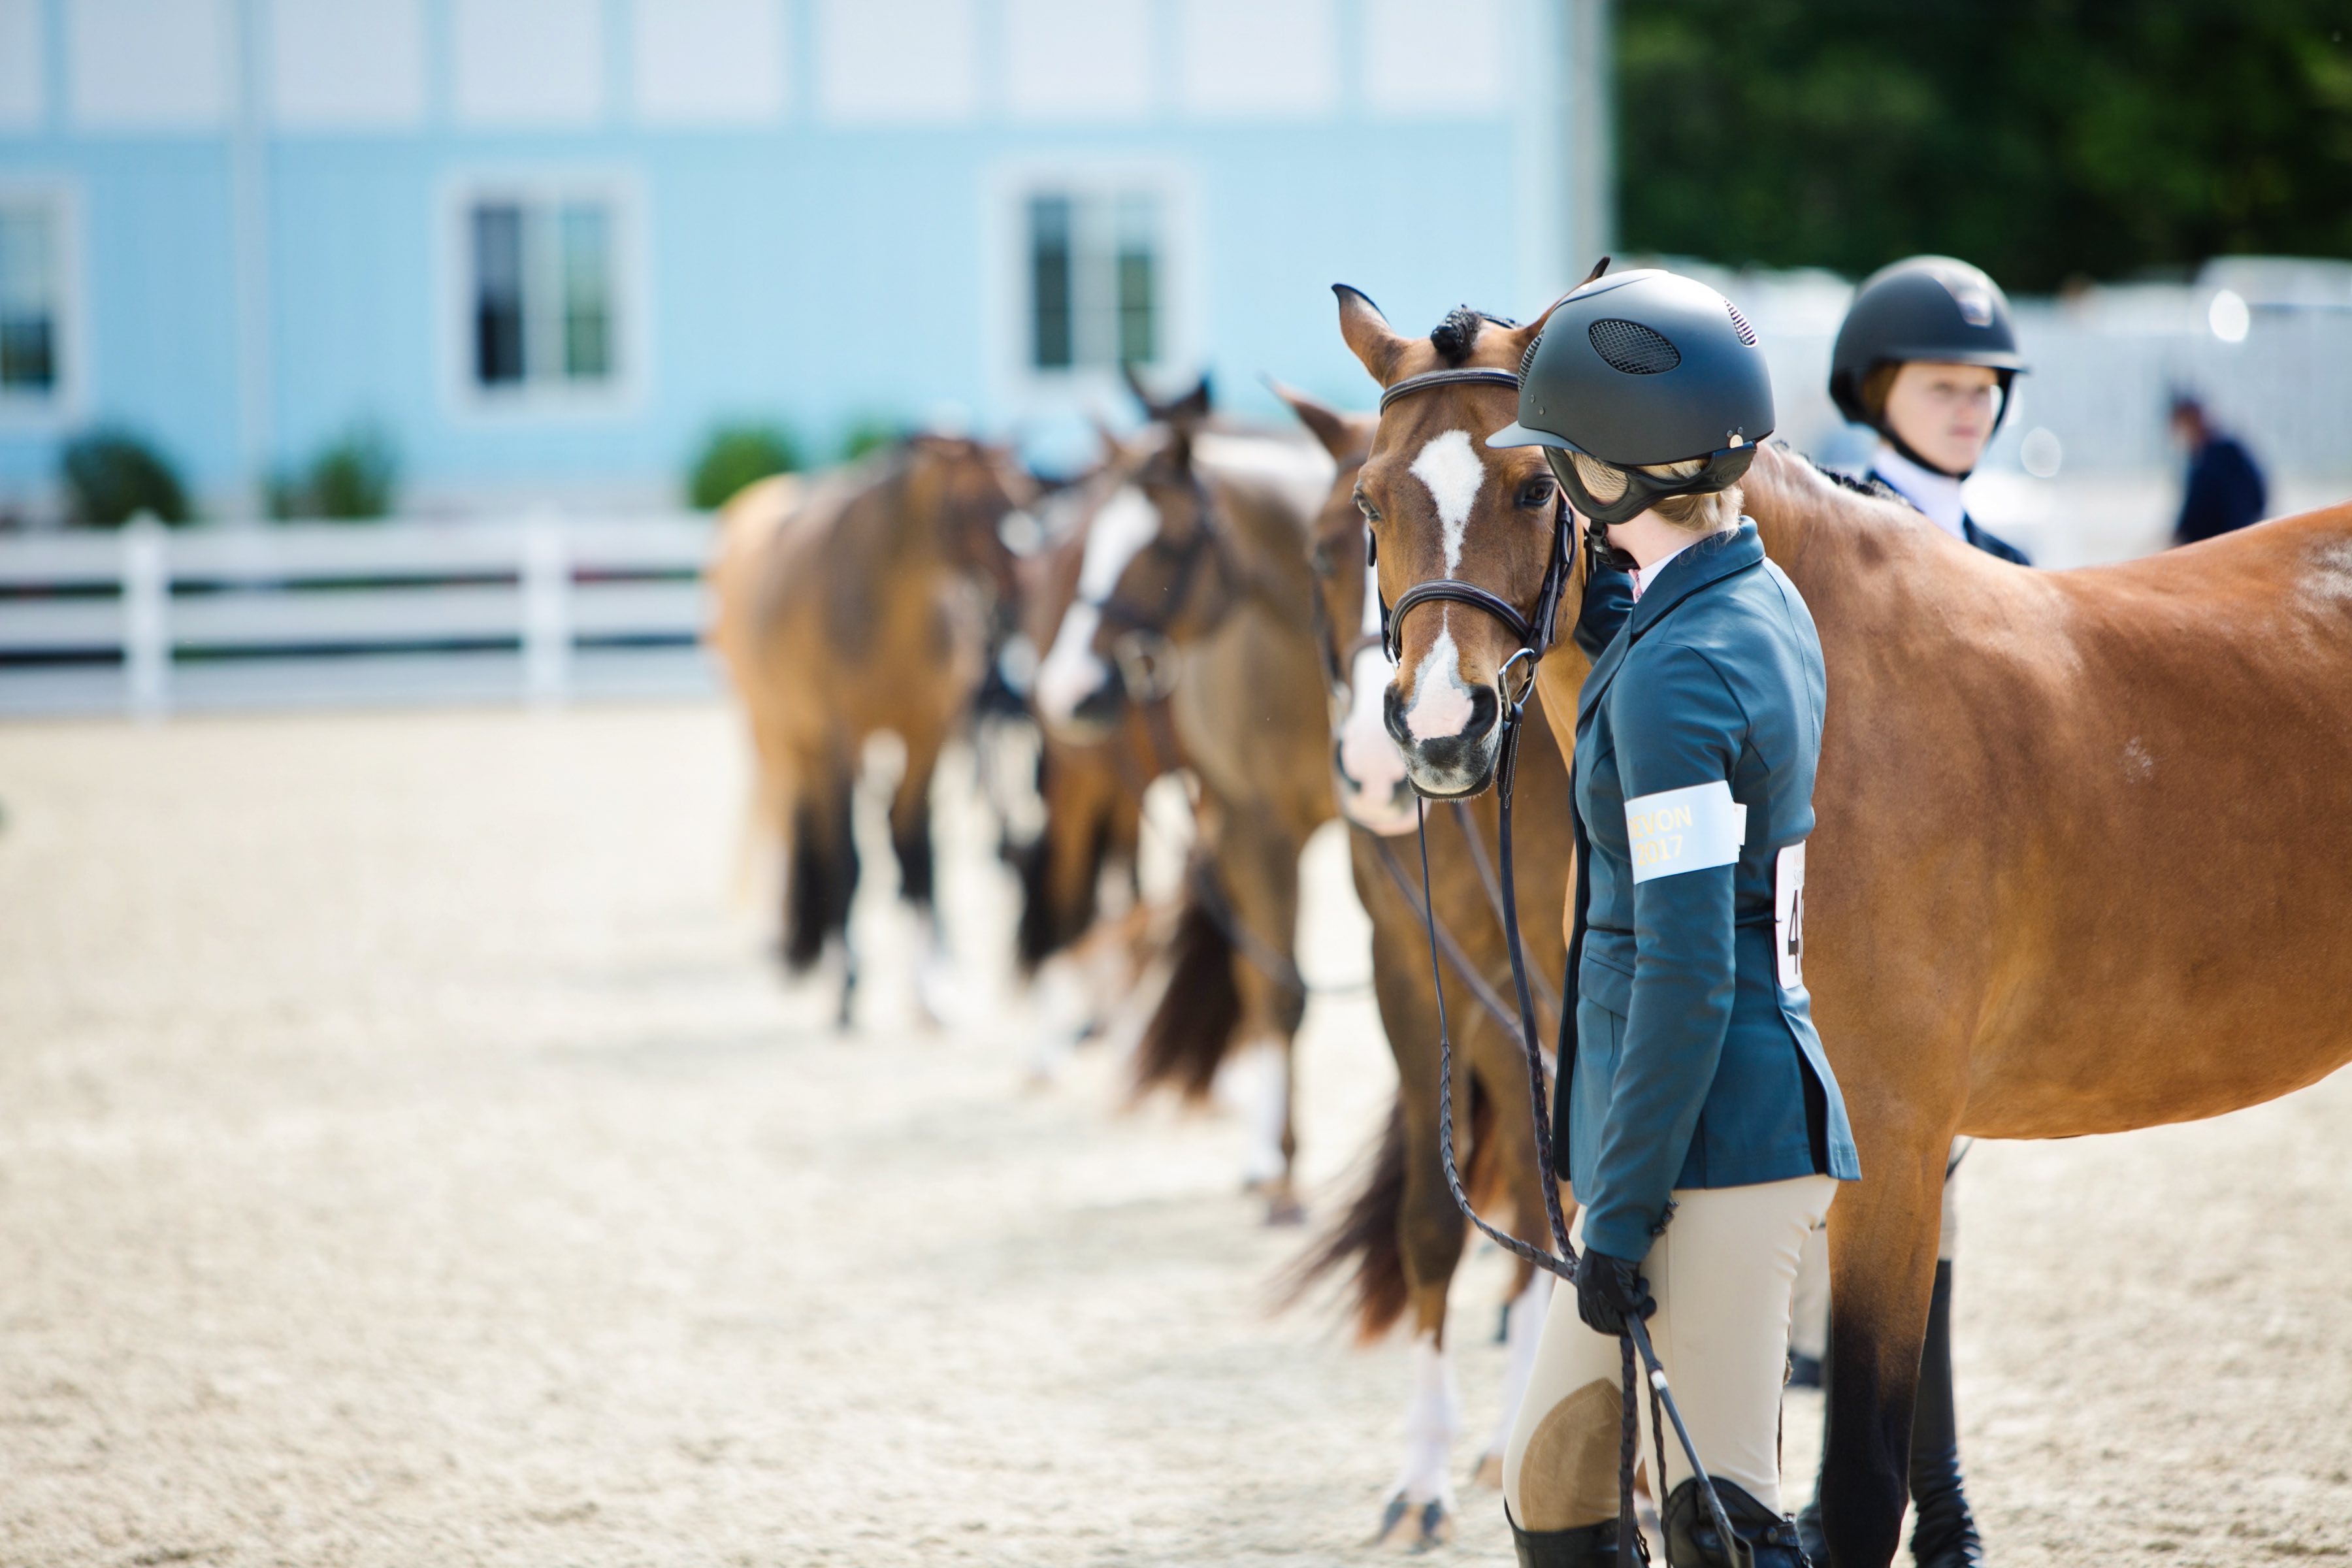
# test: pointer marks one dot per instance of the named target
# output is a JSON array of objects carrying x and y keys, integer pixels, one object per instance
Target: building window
[
  {"x": 31, "y": 302},
  {"x": 542, "y": 299},
  {"x": 1094, "y": 280}
]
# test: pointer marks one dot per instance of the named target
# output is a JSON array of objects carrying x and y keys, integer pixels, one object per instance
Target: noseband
[{"x": 1532, "y": 633}]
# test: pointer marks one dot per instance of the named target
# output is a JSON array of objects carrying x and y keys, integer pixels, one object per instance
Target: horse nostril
[
  {"x": 1339, "y": 766},
  {"x": 1392, "y": 718},
  {"x": 1484, "y": 708}
]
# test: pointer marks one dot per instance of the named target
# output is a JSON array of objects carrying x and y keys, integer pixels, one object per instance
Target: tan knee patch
[{"x": 1569, "y": 1475}]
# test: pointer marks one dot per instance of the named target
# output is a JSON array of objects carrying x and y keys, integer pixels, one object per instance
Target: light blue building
[{"x": 548, "y": 243}]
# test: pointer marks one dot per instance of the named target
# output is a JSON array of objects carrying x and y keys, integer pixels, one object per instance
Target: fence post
[
  {"x": 146, "y": 631},
  {"x": 546, "y": 609}
]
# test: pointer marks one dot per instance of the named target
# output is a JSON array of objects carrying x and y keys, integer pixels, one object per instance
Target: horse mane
[{"x": 1455, "y": 336}]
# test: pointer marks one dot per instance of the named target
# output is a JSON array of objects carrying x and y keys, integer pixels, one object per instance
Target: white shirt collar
[
  {"x": 1644, "y": 575},
  {"x": 1938, "y": 496}
]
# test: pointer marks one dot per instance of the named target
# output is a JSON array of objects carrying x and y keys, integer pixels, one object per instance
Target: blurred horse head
[{"x": 1367, "y": 769}]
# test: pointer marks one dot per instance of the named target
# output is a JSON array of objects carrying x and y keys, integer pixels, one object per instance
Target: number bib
[{"x": 1789, "y": 915}]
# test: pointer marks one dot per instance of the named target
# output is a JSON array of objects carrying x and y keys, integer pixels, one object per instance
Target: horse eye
[
  {"x": 1539, "y": 493},
  {"x": 1371, "y": 513}
]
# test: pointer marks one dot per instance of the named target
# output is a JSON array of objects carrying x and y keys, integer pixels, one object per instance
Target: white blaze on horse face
[
  {"x": 1073, "y": 671},
  {"x": 1449, "y": 466},
  {"x": 1441, "y": 703},
  {"x": 1374, "y": 768}
]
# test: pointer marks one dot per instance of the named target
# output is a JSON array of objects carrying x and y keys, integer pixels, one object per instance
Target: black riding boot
[
  {"x": 1692, "y": 1541},
  {"x": 1944, "y": 1534},
  {"x": 1586, "y": 1546}
]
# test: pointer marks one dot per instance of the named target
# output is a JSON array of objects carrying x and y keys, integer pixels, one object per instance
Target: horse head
[
  {"x": 1148, "y": 583},
  {"x": 966, "y": 490},
  {"x": 1443, "y": 506},
  {"x": 1366, "y": 770}
]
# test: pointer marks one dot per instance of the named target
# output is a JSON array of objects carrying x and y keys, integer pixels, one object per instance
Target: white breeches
[{"x": 1723, "y": 1273}]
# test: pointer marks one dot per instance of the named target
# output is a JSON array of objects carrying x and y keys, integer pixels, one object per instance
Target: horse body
[
  {"x": 2082, "y": 851},
  {"x": 2105, "y": 815},
  {"x": 867, "y": 609},
  {"x": 1197, "y": 562}
]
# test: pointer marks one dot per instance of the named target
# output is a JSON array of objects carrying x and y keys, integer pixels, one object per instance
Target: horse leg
[
  {"x": 1420, "y": 1507},
  {"x": 1883, "y": 1234},
  {"x": 823, "y": 880},
  {"x": 1258, "y": 866},
  {"x": 1511, "y": 1134},
  {"x": 910, "y": 842}
]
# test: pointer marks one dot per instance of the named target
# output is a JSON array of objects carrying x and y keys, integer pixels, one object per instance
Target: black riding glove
[{"x": 1608, "y": 1289}]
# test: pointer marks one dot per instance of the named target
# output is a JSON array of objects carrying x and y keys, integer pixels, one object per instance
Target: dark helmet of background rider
[
  {"x": 1641, "y": 368},
  {"x": 1932, "y": 308}
]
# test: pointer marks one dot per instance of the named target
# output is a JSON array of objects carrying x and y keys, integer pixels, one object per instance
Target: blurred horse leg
[
  {"x": 822, "y": 883},
  {"x": 910, "y": 842},
  {"x": 1256, "y": 862}
]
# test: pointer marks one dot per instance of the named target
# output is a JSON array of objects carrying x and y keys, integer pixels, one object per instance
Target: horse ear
[
  {"x": 1375, "y": 344},
  {"x": 1534, "y": 329},
  {"x": 1193, "y": 405},
  {"x": 1346, "y": 437}
]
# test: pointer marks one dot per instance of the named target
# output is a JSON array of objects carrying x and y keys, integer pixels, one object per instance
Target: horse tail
[
  {"x": 1199, "y": 1012},
  {"x": 1367, "y": 1239},
  {"x": 822, "y": 877},
  {"x": 1363, "y": 1241}
]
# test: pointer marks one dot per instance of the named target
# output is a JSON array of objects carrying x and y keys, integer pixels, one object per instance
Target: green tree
[
  {"x": 2044, "y": 139},
  {"x": 112, "y": 475}
]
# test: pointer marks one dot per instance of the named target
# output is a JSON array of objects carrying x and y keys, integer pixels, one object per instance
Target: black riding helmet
[
  {"x": 1641, "y": 368},
  {"x": 1930, "y": 308}
]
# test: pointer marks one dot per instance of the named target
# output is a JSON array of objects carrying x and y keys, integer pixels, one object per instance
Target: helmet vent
[
  {"x": 1632, "y": 348},
  {"x": 1739, "y": 324},
  {"x": 1528, "y": 360}
]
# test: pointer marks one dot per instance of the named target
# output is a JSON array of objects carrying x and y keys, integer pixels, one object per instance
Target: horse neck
[
  {"x": 1269, "y": 541},
  {"x": 1843, "y": 550}
]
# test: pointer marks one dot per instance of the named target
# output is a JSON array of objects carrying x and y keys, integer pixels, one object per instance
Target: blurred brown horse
[
  {"x": 2084, "y": 853},
  {"x": 1068, "y": 939},
  {"x": 852, "y": 604},
  {"x": 1400, "y": 1237},
  {"x": 1194, "y": 584}
]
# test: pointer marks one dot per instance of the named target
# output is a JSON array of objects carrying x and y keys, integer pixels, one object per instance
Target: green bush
[
  {"x": 870, "y": 435},
  {"x": 112, "y": 475},
  {"x": 739, "y": 455},
  {"x": 356, "y": 475}
]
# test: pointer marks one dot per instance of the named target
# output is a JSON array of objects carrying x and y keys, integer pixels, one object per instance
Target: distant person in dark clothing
[{"x": 2225, "y": 490}]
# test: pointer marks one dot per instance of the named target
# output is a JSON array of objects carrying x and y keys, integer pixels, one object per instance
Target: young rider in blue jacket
[{"x": 1700, "y": 1126}]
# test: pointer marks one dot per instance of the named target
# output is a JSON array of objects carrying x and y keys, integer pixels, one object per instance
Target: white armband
[{"x": 1679, "y": 830}]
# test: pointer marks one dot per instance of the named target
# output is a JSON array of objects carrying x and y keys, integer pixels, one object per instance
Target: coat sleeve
[{"x": 1678, "y": 727}]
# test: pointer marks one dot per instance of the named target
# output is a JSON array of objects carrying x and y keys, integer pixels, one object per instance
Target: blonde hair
[{"x": 1716, "y": 512}]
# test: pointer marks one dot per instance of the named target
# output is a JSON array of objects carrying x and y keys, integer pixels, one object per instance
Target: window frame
[
  {"x": 1018, "y": 383},
  {"x": 629, "y": 297},
  {"x": 63, "y": 405}
]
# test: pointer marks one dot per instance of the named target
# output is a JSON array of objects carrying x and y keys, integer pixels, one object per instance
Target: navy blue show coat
[{"x": 1696, "y": 1061}]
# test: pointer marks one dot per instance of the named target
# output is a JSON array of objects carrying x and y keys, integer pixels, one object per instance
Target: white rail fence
[{"x": 149, "y": 620}]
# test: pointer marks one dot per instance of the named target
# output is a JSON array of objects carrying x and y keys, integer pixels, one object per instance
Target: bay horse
[
  {"x": 1194, "y": 587},
  {"x": 854, "y": 603},
  {"x": 1068, "y": 941},
  {"x": 2083, "y": 854},
  {"x": 1399, "y": 1238}
]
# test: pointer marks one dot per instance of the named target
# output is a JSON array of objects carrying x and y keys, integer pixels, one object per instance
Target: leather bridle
[{"x": 1533, "y": 632}]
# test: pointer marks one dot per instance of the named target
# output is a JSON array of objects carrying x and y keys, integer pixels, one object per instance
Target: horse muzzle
[{"x": 1454, "y": 763}]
